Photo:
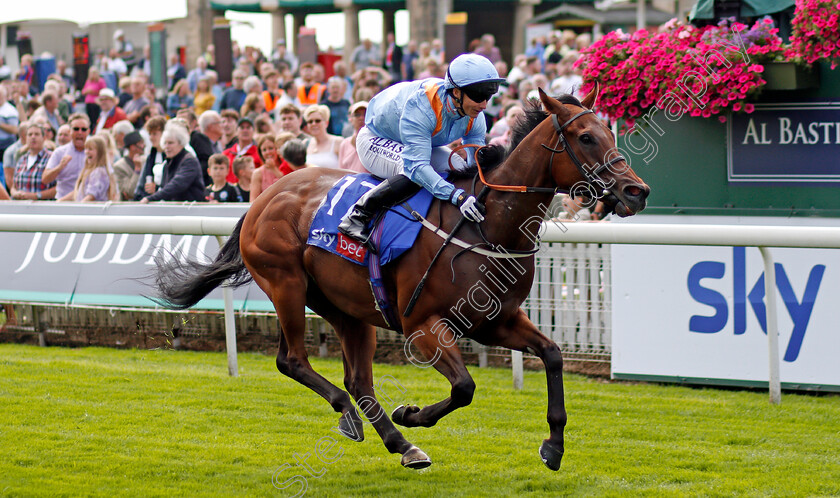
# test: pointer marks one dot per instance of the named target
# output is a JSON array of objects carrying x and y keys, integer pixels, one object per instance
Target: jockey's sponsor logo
[
  {"x": 386, "y": 144},
  {"x": 322, "y": 235},
  {"x": 386, "y": 148},
  {"x": 350, "y": 248}
]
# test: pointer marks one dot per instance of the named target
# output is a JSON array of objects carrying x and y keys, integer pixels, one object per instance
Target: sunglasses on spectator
[
  {"x": 311, "y": 121},
  {"x": 76, "y": 128}
]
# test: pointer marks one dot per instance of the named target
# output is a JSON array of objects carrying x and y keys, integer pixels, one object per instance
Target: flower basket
[
  {"x": 680, "y": 69},
  {"x": 789, "y": 76}
]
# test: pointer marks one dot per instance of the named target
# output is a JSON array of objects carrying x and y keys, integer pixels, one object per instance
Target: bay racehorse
[{"x": 555, "y": 148}]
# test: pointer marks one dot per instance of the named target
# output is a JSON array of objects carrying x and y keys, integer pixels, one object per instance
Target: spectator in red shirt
[
  {"x": 111, "y": 113},
  {"x": 244, "y": 146}
]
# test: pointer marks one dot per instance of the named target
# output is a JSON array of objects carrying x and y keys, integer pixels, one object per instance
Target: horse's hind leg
[
  {"x": 522, "y": 335},
  {"x": 441, "y": 352},
  {"x": 358, "y": 343},
  {"x": 288, "y": 293}
]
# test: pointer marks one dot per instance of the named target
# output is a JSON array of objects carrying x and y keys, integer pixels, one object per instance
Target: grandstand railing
[{"x": 566, "y": 273}]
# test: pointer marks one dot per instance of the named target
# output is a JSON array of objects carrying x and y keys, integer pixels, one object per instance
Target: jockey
[{"x": 407, "y": 128}]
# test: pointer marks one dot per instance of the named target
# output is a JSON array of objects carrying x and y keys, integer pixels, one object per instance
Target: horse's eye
[{"x": 587, "y": 139}]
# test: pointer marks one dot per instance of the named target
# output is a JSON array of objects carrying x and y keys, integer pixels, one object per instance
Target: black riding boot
[{"x": 391, "y": 191}]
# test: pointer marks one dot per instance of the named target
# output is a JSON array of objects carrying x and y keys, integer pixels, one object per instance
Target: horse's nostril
[{"x": 633, "y": 191}]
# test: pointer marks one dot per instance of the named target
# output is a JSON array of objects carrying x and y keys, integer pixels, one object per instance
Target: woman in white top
[{"x": 323, "y": 148}]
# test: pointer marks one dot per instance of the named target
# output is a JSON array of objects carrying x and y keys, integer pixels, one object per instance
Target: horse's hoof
[
  {"x": 398, "y": 416},
  {"x": 551, "y": 455},
  {"x": 351, "y": 427},
  {"x": 415, "y": 459}
]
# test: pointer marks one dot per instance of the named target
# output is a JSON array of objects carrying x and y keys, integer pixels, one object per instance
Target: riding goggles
[{"x": 481, "y": 91}]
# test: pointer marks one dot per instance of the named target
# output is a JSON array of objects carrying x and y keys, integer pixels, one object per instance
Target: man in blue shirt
[
  {"x": 407, "y": 128},
  {"x": 234, "y": 97}
]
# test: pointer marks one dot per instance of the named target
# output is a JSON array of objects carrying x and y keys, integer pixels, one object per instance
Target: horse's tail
[{"x": 181, "y": 284}]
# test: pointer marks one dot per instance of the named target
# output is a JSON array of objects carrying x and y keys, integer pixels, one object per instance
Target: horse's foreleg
[
  {"x": 289, "y": 298},
  {"x": 522, "y": 335},
  {"x": 443, "y": 354},
  {"x": 358, "y": 342}
]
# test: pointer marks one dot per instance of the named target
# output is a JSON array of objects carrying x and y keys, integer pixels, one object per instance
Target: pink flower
[{"x": 749, "y": 108}]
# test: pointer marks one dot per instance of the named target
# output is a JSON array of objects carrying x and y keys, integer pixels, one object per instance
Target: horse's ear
[
  {"x": 551, "y": 104},
  {"x": 590, "y": 99}
]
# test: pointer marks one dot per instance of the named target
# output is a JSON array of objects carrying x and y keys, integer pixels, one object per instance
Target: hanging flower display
[{"x": 681, "y": 69}]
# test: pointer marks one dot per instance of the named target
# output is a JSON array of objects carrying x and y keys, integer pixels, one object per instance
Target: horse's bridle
[{"x": 591, "y": 176}]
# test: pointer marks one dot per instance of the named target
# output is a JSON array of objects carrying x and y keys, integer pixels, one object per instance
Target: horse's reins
[{"x": 591, "y": 178}]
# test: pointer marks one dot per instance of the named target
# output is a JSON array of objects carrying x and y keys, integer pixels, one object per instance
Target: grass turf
[{"x": 106, "y": 422}]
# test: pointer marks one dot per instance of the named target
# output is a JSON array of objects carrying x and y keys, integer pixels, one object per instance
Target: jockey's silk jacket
[{"x": 421, "y": 115}]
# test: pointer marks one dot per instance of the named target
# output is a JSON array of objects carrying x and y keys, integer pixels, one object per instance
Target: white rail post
[
  {"x": 230, "y": 325},
  {"x": 772, "y": 328},
  {"x": 516, "y": 367}
]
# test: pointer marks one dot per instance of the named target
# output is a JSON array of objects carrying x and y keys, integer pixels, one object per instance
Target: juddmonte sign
[
  {"x": 785, "y": 143},
  {"x": 103, "y": 269}
]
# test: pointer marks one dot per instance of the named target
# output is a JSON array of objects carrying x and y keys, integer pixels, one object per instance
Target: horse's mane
[{"x": 493, "y": 155}]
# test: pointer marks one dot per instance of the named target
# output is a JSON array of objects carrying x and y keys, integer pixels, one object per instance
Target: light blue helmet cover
[{"x": 467, "y": 69}]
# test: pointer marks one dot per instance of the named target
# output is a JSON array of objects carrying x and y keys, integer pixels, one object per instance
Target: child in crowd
[
  {"x": 243, "y": 168},
  {"x": 220, "y": 190},
  {"x": 95, "y": 182}
]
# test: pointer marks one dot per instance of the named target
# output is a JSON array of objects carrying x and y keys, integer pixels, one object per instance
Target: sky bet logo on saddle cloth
[
  {"x": 799, "y": 309},
  {"x": 397, "y": 236}
]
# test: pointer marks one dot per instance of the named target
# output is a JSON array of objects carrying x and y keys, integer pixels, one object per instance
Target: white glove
[{"x": 470, "y": 208}]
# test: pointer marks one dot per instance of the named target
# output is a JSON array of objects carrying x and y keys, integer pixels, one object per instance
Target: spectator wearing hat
[
  {"x": 244, "y": 146},
  {"x": 348, "y": 158},
  {"x": 123, "y": 48},
  {"x": 127, "y": 169},
  {"x": 110, "y": 113}
]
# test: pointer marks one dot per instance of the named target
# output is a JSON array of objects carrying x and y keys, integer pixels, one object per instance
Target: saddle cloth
[{"x": 398, "y": 233}]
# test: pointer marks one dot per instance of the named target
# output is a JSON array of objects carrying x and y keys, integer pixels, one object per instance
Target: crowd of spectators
[{"x": 200, "y": 140}]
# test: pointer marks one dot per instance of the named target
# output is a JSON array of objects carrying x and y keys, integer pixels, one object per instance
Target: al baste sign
[{"x": 785, "y": 143}]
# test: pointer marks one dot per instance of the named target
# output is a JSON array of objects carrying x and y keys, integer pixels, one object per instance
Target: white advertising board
[{"x": 697, "y": 314}]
